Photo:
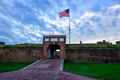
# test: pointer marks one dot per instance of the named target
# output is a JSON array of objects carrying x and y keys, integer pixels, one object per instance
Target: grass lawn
[
  {"x": 6, "y": 67},
  {"x": 100, "y": 71}
]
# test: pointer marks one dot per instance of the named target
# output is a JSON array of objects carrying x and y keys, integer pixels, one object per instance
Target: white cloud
[
  {"x": 103, "y": 25},
  {"x": 89, "y": 27},
  {"x": 88, "y": 14},
  {"x": 114, "y": 7}
]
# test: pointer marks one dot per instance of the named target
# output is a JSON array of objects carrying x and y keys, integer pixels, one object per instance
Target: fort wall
[
  {"x": 93, "y": 55},
  {"x": 87, "y": 55},
  {"x": 25, "y": 54}
]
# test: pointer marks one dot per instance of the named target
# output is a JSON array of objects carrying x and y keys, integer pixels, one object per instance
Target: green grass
[
  {"x": 6, "y": 67},
  {"x": 72, "y": 46},
  {"x": 100, "y": 71},
  {"x": 21, "y": 46}
]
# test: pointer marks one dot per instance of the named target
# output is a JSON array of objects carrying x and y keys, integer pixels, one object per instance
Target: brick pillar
[
  {"x": 62, "y": 52},
  {"x": 45, "y": 53}
]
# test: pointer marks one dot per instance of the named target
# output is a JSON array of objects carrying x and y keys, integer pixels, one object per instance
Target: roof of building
[{"x": 54, "y": 36}]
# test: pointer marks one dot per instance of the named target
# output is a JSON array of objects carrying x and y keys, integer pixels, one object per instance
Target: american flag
[{"x": 64, "y": 13}]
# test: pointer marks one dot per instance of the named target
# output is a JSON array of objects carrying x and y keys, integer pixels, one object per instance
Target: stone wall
[
  {"x": 77, "y": 54},
  {"x": 93, "y": 55},
  {"x": 20, "y": 54}
]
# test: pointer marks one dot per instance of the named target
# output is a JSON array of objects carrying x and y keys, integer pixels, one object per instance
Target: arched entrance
[
  {"x": 54, "y": 46},
  {"x": 53, "y": 51}
]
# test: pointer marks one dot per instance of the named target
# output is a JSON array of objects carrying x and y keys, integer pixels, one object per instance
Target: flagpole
[
  {"x": 66, "y": 13},
  {"x": 69, "y": 30}
]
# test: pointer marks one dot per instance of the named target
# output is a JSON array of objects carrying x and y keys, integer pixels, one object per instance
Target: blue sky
[{"x": 26, "y": 21}]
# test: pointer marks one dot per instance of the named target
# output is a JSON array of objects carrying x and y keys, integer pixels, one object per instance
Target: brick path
[
  {"x": 70, "y": 76},
  {"x": 42, "y": 70}
]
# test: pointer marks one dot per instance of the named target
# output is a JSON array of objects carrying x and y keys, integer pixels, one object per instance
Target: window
[
  {"x": 54, "y": 39},
  {"x": 46, "y": 39},
  {"x": 62, "y": 39}
]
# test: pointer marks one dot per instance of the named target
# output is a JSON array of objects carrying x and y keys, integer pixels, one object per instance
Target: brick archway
[
  {"x": 52, "y": 51},
  {"x": 47, "y": 42}
]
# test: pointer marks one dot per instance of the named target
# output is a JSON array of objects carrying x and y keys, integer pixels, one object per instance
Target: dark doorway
[{"x": 52, "y": 51}]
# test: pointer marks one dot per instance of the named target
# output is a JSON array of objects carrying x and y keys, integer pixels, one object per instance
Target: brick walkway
[
  {"x": 42, "y": 70},
  {"x": 70, "y": 76}
]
